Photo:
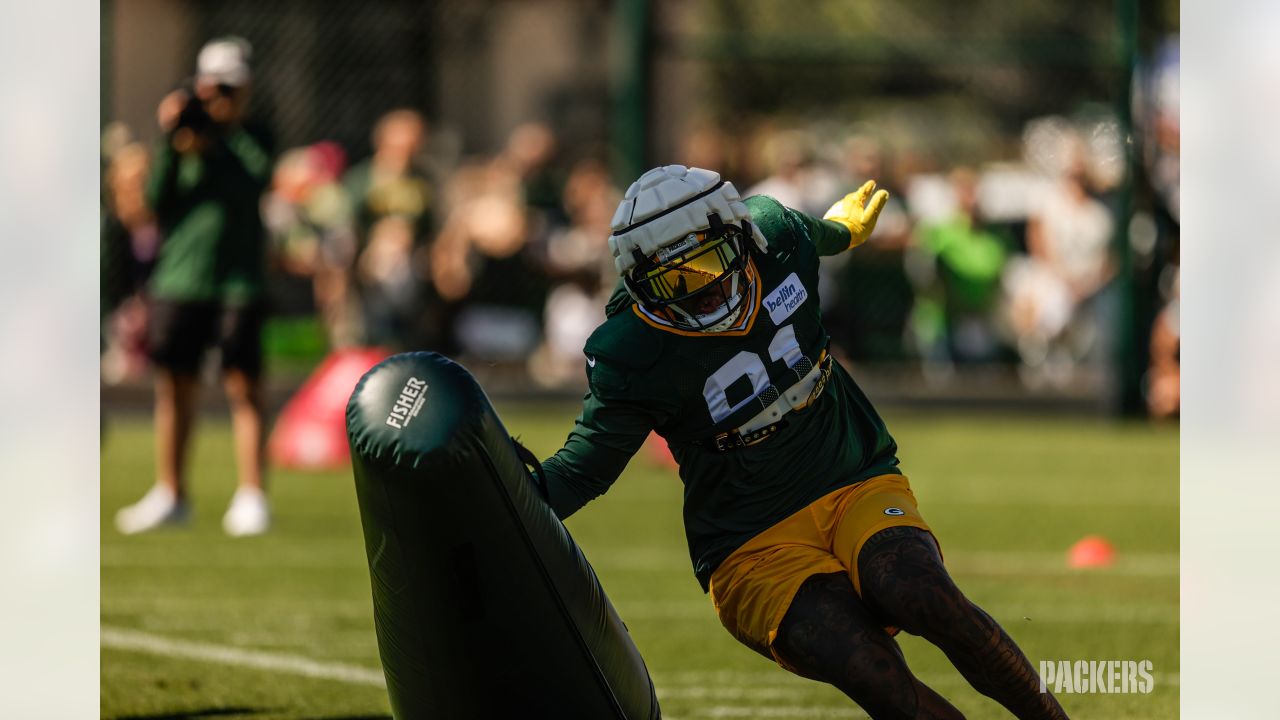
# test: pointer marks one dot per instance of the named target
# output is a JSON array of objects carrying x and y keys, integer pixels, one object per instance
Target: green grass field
[{"x": 199, "y": 625}]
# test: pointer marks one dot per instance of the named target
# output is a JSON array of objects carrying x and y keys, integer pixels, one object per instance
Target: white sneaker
[
  {"x": 159, "y": 507},
  {"x": 248, "y": 513}
]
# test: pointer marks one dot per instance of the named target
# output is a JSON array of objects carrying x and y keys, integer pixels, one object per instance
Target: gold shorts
[{"x": 753, "y": 587}]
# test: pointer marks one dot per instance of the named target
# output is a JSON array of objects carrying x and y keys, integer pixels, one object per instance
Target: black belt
[{"x": 732, "y": 440}]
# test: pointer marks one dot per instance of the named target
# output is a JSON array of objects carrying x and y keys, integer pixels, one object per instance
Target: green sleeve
[
  {"x": 785, "y": 227},
  {"x": 831, "y": 238},
  {"x": 162, "y": 185},
  {"x": 251, "y": 155},
  {"x": 609, "y": 431}
]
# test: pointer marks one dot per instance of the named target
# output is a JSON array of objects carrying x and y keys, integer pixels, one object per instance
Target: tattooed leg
[
  {"x": 828, "y": 635},
  {"x": 903, "y": 579}
]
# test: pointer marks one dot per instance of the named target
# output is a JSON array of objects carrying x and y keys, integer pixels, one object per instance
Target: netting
[{"x": 1020, "y": 142}]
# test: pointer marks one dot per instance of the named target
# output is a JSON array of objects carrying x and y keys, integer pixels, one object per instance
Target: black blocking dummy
[{"x": 484, "y": 605}]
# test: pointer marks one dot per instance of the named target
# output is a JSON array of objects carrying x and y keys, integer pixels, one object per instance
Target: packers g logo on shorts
[{"x": 894, "y": 511}]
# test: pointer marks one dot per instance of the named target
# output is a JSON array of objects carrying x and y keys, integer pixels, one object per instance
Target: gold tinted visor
[{"x": 688, "y": 267}]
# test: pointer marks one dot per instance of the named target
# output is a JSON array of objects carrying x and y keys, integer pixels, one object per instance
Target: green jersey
[
  {"x": 207, "y": 208},
  {"x": 689, "y": 387}
]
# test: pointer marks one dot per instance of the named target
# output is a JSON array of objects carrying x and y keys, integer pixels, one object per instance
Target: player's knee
[
  {"x": 813, "y": 608},
  {"x": 943, "y": 613},
  {"x": 939, "y": 612},
  {"x": 240, "y": 388},
  {"x": 827, "y": 635},
  {"x": 869, "y": 673},
  {"x": 818, "y": 627},
  {"x": 874, "y": 680},
  {"x": 903, "y": 579}
]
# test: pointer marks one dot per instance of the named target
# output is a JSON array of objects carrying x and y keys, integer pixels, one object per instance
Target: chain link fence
[{"x": 1006, "y": 134}]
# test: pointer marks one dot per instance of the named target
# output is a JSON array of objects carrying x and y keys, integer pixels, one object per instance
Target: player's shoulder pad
[
  {"x": 619, "y": 355},
  {"x": 775, "y": 222},
  {"x": 625, "y": 343},
  {"x": 619, "y": 301}
]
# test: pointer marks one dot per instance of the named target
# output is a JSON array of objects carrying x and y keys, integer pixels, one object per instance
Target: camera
[
  {"x": 195, "y": 113},
  {"x": 194, "y": 116}
]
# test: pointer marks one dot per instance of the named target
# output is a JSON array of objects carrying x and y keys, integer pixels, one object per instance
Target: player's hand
[
  {"x": 170, "y": 108},
  {"x": 854, "y": 212}
]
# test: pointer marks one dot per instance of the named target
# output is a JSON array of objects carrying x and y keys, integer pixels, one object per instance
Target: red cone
[
  {"x": 311, "y": 432},
  {"x": 659, "y": 453},
  {"x": 1091, "y": 551}
]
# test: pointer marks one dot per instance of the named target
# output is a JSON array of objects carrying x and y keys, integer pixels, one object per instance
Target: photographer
[{"x": 206, "y": 289}]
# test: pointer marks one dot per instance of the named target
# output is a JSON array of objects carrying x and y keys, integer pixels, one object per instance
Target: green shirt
[
  {"x": 207, "y": 207},
  {"x": 689, "y": 387},
  {"x": 974, "y": 257},
  {"x": 409, "y": 195}
]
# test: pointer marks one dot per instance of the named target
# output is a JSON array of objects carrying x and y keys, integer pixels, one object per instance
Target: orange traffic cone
[
  {"x": 659, "y": 453},
  {"x": 1091, "y": 551}
]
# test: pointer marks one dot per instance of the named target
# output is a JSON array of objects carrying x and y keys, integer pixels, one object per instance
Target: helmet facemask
[
  {"x": 680, "y": 240},
  {"x": 699, "y": 282}
]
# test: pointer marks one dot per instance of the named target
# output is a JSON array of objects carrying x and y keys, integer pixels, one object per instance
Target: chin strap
[{"x": 756, "y": 236}]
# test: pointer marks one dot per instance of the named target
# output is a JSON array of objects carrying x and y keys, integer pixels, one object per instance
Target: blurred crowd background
[{"x": 446, "y": 172}]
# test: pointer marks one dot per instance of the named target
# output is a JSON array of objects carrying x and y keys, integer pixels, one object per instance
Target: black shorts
[{"x": 180, "y": 332}]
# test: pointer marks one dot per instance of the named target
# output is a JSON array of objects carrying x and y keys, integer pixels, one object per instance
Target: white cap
[{"x": 225, "y": 60}]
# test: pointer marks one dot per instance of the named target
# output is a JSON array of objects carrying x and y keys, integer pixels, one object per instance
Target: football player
[{"x": 799, "y": 522}]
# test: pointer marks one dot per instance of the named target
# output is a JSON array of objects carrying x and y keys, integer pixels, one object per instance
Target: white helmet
[{"x": 680, "y": 244}]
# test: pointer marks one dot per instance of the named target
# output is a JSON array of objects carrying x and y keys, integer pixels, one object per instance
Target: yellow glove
[{"x": 853, "y": 212}]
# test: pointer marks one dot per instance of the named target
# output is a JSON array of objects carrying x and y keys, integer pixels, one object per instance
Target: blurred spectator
[
  {"x": 1158, "y": 117},
  {"x": 707, "y": 145},
  {"x": 207, "y": 284},
  {"x": 390, "y": 288},
  {"x": 1163, "y": 376},
  {"x": 867, "y": 296},
  {"x": 1057, "y": 309},
  {"x": 863, "y": 158},
  {"x": 531, "y": 154},
  {"x": 393, "y": 183},
  {"x": 309, "y": 220},
  {"x": 1161, "y": 117},
  {"x": 482, "y": 258},
  {"x": 792, "y": 181},
  {"x": 963, "y": 257},
  {"x": 489, "y": 251},
  {"x": 581, "y": 271},
  {"x": 130, "y": 241}
]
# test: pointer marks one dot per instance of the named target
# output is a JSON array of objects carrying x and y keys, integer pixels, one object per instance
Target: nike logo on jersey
[
  {"x": 784, "y": 300},
  {"x": 591, "y": 362}
]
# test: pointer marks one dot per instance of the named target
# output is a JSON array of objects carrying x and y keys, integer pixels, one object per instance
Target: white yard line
[
  {"x": 783, "y": 711},
  {"x": 752, "y": 687},
  {"x": 286, "y": 557},
  {"x": 609, "y": 558},
  {"x": 123, "y": 639},
  {"x": 778, "y": 683},
  {"x": 772, "y": 693}
]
